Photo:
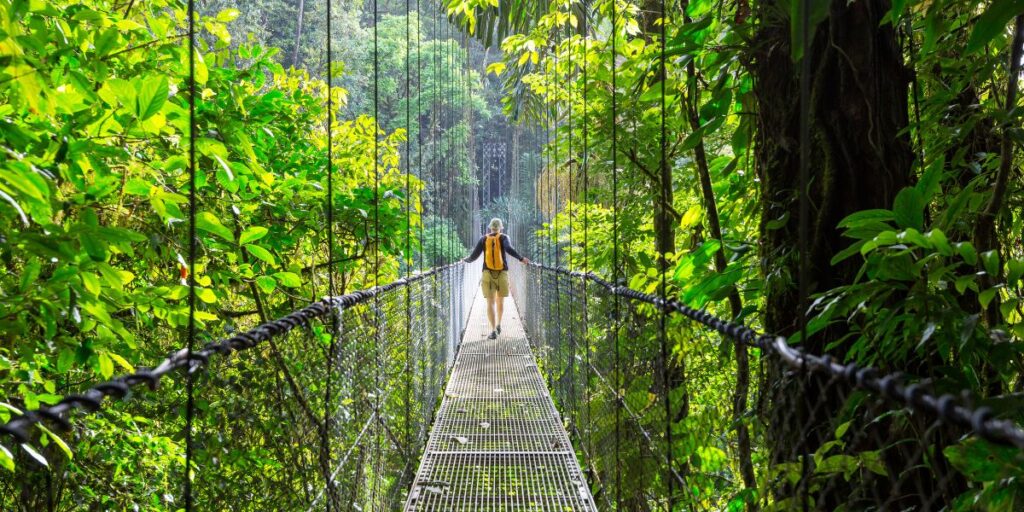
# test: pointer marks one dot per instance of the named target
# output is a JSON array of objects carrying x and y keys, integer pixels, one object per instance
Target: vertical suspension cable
[
  {"x": 572, "y": 331},
  {"x": 436, "y": 131},
  {"x": 548, "y": 171},
  {"x": 453, "y": 158},
  {"x": 615, "y": 253},
  {"x": 191, "y": 330},
  {"x": 446, "y": 133},
  {"x": 408, "y": 233},
  {"x": 419, "y": 129},
  {"x": 325, "y": 442},
  {"x": 663, "y": 267},
  {"x": 556, "y": 164},
  {"x": 586, "y": 220},
  {"x": 437, "y": 140},
  {"x": 450, "y": 157},
  {"x": 554, "y": 210},
  {"x": 568, "y": 152},
  {"x": 463, "y": 103},
  {"x": 376, "y": 249},
  {"x": 467, "y": 113},
  {"x": 804, "y": 226},
  {"x": 457, "y": 154}
]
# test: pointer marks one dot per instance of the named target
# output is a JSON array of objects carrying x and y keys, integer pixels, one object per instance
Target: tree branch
[
  {"x": 631, "y": 155},
  {"x": 145, "y": 45}
]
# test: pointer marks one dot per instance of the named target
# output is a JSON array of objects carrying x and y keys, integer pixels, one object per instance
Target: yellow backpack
[{"x": 493, "y": 257}]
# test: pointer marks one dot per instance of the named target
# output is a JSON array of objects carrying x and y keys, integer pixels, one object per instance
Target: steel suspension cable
[
  {"x": 419, "y": 130},
  {"x": 376, "y": 249},
  {"x": 452, "y": 132},
  {"x": 554, "y": 174},
  {"x": 443, "y": 132},
  {"x": 467, "y": 106},
  {"x": 435, "y": 196},
  {"x": 804, "y": 225},
  {"x": 407, "y": 257},
  {"x": 556, "y": 167},
  {"x": 454, "y": 159},
  {"x": 571, "y": 158},
  {"x": 436, "y": 132},
  {"x": 663, "y": 263},
  {"x": 329, "y": 205},
  {"x": 615, "y": 249},
  {"x": 586, "y": 215},
  {"x": 192, "y": 249}
]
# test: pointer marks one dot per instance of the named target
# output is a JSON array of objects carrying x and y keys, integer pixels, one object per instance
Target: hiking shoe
[{"x": 494, "y": 335}]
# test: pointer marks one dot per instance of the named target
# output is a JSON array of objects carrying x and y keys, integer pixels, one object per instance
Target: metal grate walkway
[{"x": 498, "y": 443}]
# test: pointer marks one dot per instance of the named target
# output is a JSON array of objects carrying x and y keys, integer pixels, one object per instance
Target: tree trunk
[
  {"x": 663, "y": 192},
  {"x": 860, "y": 158}
]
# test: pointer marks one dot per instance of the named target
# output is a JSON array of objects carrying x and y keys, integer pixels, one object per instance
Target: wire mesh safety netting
[
  {"x": 652, "y": 417},
  {"x": 287, "y": 416},
  {"x": 497, "y": 443}
]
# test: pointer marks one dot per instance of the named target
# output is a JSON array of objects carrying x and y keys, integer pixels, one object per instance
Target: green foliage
[
  {"x": 922, "y": 299},
  {"x": 93, "y": 193},
  {"x": 94, "y": 102},
  {"x": 993, "y": 22},
  {"x": 440, "y": 242}
]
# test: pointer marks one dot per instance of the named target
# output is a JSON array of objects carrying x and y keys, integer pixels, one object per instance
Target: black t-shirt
[{"x": 506, "y": 248}]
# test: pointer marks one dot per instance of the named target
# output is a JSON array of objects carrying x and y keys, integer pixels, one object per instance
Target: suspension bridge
[{"x": 601, "y": 393}]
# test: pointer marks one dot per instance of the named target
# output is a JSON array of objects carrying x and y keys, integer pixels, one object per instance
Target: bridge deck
[{"x": 497, "y": 443}]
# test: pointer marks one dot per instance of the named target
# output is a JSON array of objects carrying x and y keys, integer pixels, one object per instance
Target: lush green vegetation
[
  {"x": 915, "y": 260},
  {"x": 94, "y": 127}
]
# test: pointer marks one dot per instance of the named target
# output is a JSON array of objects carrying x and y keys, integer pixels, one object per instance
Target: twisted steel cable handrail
[
  {"x": 945, "y": 407},
  {"x": 92, "y": 399}
]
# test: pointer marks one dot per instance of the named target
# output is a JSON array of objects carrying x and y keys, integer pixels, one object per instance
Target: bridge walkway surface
[{"x": 497, "y": 443}]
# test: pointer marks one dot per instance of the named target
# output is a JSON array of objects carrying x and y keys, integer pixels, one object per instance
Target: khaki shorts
[{"x": 494, "y": 280}]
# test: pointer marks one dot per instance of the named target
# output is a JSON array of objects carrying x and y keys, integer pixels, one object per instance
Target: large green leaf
[
  {"x": 288, "y": 279},
  {"x": 152, "y": 95},
  {"x": 981, "y": 461},
  {"x": 262, "y": 254},
  {"x": 992, "y": 22},
  {"x": 266, "y": 283},
  {"x": 209, "y": 222},
  {"x": 251, "y": 234},
  {"x": 908, "y": 208}
]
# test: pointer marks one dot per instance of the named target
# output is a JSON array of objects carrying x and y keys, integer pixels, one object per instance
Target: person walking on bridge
[{"x": 495, "y": 245}]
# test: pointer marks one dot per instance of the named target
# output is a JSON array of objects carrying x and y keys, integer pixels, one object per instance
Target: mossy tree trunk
[{"x": 860, "y": 157}]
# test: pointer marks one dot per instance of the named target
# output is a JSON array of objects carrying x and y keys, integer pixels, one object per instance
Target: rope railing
[
  {"x": 867, "y": 438},
  {"x": 262, "y": 413},
  {"x": 92, "y": 399}
]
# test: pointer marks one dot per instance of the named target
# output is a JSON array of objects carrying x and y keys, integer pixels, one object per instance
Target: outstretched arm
[
  {"x": 512, "y": 251},
  {"x": 477, "y": 251}
]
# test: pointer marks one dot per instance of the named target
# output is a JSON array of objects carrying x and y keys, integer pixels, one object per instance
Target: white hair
[{"x": 495, "y": 225}]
